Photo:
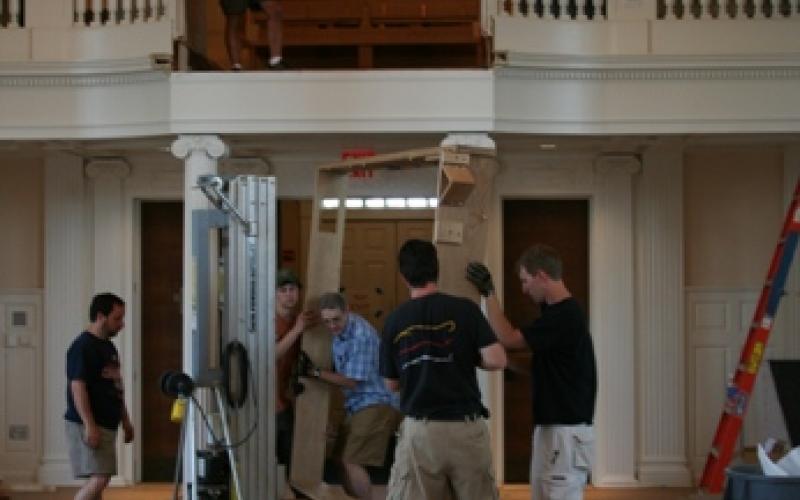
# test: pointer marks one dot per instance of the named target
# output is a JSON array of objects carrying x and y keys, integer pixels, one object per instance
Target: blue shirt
[{"x": 355, "y": 356}]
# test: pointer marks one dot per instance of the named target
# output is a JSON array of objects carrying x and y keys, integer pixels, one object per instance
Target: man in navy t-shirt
[
  {"x": 95, "y": 403},
  {"x": 430, "y": 349},
  {"x": 563, "y": 373}
]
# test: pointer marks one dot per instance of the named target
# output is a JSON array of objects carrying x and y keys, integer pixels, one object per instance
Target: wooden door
[
  {"x": 162, "y": 277},
  {"x": 369, "y": 269},
  {"x": 407, "y": 230},
  {"x": 564, "y": 225},
  {"x": 369, "y": 276}
]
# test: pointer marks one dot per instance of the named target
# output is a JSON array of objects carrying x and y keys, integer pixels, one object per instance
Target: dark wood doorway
[
  {"x": 162, "y": 327},
  {"x": 564, "y": 225}
]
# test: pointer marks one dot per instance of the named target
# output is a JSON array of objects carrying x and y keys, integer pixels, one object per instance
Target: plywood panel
[
  {"x": 473, "y": 217},
  {"x": 311, "y": 407}
]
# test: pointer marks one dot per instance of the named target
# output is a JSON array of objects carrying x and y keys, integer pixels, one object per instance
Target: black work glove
[
  {"x": 479, "y": 275},
  {"x": 305, "y": 367}
]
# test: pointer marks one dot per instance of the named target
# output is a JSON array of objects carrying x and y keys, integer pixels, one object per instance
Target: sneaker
[{"x": 278, "y": 66}]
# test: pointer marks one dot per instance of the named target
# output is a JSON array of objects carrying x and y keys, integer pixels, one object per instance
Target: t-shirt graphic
[
  {"x": 426, "y": 343},
  {"x": 431, "y": 345}
]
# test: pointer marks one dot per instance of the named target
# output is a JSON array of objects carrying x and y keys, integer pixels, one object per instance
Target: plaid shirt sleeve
[{"x": 360, "y": 360}]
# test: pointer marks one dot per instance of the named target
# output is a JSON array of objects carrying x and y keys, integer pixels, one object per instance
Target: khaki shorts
[
  {"x": 365, "y": 435},
  {"x": 437, "y": 458},
  {"x": 87, "y": 461},
  {"x": 561, "y": 460}
]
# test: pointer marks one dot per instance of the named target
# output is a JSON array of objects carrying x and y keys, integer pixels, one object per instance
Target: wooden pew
[{"x": 367, "y": 24}]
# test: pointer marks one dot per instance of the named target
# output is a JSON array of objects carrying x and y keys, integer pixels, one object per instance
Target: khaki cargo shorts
[
  {"x": 365, "y": 435},
  {"x": 87, "y": 461},
  {"x": 436, "y": 460}
]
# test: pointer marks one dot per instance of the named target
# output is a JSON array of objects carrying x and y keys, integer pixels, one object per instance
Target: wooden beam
[
  {"x": 460, "y": 232},
  {"x": 311, "y": 406},
  {"x": 427, "y": 157},
  {"x": 460, "y": 236}
]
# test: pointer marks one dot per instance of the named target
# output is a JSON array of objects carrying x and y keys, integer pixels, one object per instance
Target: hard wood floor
[{"x": 164, "y": 492}]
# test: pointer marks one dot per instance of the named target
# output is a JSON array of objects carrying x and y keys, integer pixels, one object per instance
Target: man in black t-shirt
[
  {"x": 563, "y": 373},
  {"x": 95, "y": 402},
  {"x": 430, "y": 348}
]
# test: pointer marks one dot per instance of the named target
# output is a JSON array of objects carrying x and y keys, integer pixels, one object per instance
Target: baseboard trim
[{"x": 665, "y": 474}]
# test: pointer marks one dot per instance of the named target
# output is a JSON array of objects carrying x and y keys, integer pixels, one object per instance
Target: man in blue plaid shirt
[{"x": 372, "y": 414}]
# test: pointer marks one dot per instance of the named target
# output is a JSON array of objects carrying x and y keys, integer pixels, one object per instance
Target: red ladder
[{"x": 741, "y": 387}]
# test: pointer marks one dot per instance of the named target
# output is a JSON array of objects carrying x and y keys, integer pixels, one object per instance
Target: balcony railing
[
  {"x": 109, "y": 12},
  {"x": 12, "y": 14},
  {"x": 664, "y": 9},
  {"x": 556, "y": 9},
  {"x": 134, "y": 33},
  {"x": 527, "y": 30},
  {"x": 727, "y": 9}
]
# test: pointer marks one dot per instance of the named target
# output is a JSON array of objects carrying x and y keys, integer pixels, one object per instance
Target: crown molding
[
  {"x": 93, "y": 80},
  {"x": 80, "y": 73}
]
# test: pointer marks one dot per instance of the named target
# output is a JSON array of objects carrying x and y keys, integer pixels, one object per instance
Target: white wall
[
  {"x": 734, "y": 208},
  {"x": 21, "y": 222}
]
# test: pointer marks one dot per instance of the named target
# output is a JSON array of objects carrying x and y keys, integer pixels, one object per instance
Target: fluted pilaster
[
  {"x": 612, "y": 317},
  {"x": 660, "y": 335},
  {"x": 66, "y": 300}
]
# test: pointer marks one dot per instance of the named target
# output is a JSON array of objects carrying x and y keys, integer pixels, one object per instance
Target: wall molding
[
  {"x": 647, "y": 73},
  {"x": 92, "y": 80}
]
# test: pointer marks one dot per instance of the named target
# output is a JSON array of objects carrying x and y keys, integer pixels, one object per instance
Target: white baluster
[
  {"x": 127, "y": 12},
  {"x": 80, "y": 11},
  {"x": 670, "y": 6},
  {"x": 13, "y": 14},
  {"x": 759, "y": 10},
  {"x": 113, "y": 11},
  {"x": 95, "y": 8}
]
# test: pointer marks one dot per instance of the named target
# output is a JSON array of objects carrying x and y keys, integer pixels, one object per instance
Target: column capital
[
  {"x": 475, "y": 140},
  {"x": 626, "y": 164},
  {"x": 117, "y": 168},
  {"x": 210, "y": 145}
]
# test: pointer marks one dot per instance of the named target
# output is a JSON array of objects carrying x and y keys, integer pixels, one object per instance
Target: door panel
[
  {"x": 564, "y": 225},
  {"x": 368, "y": 269},
  {"x": 162, "y": 278}
]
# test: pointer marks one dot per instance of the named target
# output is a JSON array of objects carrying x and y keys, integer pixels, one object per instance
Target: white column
[
  {"x": 111, "y": 256},
  {"x": 661, "y": 365},
  {"x": 66, "y": 300},
  {"x": 201, "y": 154},
  {"x": 612, "y": 319}
]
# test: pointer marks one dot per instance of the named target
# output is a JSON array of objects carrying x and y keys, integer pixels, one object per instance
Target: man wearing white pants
[{"x": 563, "y": 373}]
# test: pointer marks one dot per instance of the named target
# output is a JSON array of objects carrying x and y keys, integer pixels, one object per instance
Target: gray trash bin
[{"x": 747, "y": 482}]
